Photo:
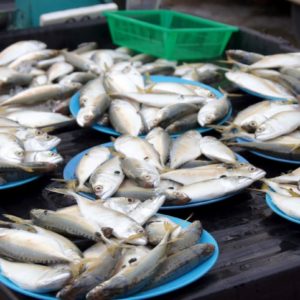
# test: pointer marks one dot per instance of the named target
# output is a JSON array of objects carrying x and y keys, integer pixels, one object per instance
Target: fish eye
[
  {"x": 147, "y": 177},
  {"x": 251, "y": 169},
  {"x": 141, "y": 231},
  {"x": 38, "y": 132},
  {"x": 45, "y": 212},
  {"x": 117, "y": 172},
  {"x": 19, "y": 153},
  {"x": 261, "y": 128},
  {"x": 171, "y": 187},
  {"x": 146, "y": 157},
  {"x": 253, "y": 124},
  {"x": 132, "y": 260},
  {"x": 98, "y": 188},
  {"x": 48, "y": 137},
  {"x": 130, "y": 200}
]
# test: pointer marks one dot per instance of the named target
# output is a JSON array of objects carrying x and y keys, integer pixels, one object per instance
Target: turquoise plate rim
[
  {"x": 69, "y": 170},
  {"x": 289, "y": 161},
  {"x": 173, "y": 285},
  {"x": 261, "y": 95},
  {"x": 278, "y": 211},
  {"x": 74, "y": 104}
]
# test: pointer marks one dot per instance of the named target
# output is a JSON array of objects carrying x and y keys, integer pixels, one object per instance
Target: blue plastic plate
[
  {"x": 182, "y": 281},
  {"x": 75, "y": 106},
  {"x": 69, "y": 174},
  {"x": 289, "y": 161},
  {"x": 261, "y": 95},
  {"x": 16, "y": 183},
  {"x": 278, "y": 211}
]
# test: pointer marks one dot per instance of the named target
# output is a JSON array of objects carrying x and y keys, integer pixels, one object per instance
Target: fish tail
[
  {"x": 77, "y": 267},
  {"x": 63, "y": 191},
  {"x": 234, "y": 95},
  {"x": 223, "y": 128},
  {"x": 15, "y": 219}
]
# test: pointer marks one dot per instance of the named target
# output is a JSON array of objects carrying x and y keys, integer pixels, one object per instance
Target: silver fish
[
  {"x": 59, "y": 70},
  {"x": 124, "y": 118},
  {"x": 183, "y": 124},
  {"x": 18, "y": 49},
  {"x": 107, "y": 178},
  {"x": 91, "y": 90},
  {"x": 85, "y": 47},
  {"x": 95, "y": 157},
  {"x": 39, "y": 80},
  {"x": 148, "y": 115},
  {"x": 43, "y": 156},
  {"x": 80, "y": 77},
  {"x": 122, "y": 204},
  {"x": 143, "y": 173},
  {"x": 292, "y": 177},
  {"x": 9, "y": 76},
  {"x": 45, "y": 64},
  {"x": 185, "y": 148},
  {"x": 243, "y": 57},
  {"x": 39, "y": 278},
  {"x": 213, "y": 111},
  {"x": 134, "y": 147},
  {"x": 214, "y": 149},
  {"x": 161, "y": 142},
  {"x": 11, "y": 150}
]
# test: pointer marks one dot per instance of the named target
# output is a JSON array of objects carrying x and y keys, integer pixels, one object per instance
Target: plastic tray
[
  {"x": 75, "y": 106},
  {"x": 169, "y": 34}
]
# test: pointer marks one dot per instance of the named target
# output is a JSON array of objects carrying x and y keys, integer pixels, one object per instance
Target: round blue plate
[
  {"x": 69, "y": 174},
  {"x": 182, "y": 281},
  {"x": 278, "y": 211},
  {"x": 289, "y": 161},
  {"x": 75, "y": 106},
  {"x": 16, "y": 183}
]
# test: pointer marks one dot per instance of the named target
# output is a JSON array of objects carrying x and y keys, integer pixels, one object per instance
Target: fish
[
  {"x": 30, "y": 247},
  {"x": 32, "y": 58},
  {"x": 183, "y": 124},
  {"x": 18, "y": 49},
  {"x": 92, "y": 110},
  {"x": 146, "y": 209},
  {"x": 169, "y": 114},
  {"x": 85, "y": 47},
  {"x": 124, "y": 118},
  {"x": 5, "y": 122},
  {"x": 213, "y": 111},
  {"x": 143, "y": 173},
  {"x": 81, "y": 63},
  {"x": 123, "y": 227},
  {"x": 31, "y": 118},
  {"x": 292, "y": 177},
  {"x": 161, "y": 142},
  {"x": 156, "y": 229},
  {"x": 277, "y": 61},
  {"x": 9, "y": 76},
  {"x": 93, "y": 158},
  {"x": 97, "y": 271},
  {"x": 187, "y": 238},
  {"x": 122, "y": 204},
  {"x": 91, "y": 90},
  {"x": 11, "y": 150},
  {"x": 157, "y": 68},
  {"x": 259, "y": 85},
  {"x": 135, "y": 147},
  {"x": 133, "y": 278},
  {"x": 214, "y": 149},
  {"x": 148, "y": 115},
  {"x": 197, "y": 163},
  {"x": 106, "y": 178},
  {"x": 279, "y": 124},
  {"x": 243, "y": 57},
  {"x": 215, "y": 188},
  {"x": 36, "y": 278},
  {"x": 43, "y": 156},
  {"x": 254, "y": 115},
  {"x": 170, "y": 88},
  {"x": 43, "y": 93},
  {"x": 206, "y": 77},
  {"x": 80, "y": 77},
  {"x": 182, "y": 262},
  {"x": 42, "y": 142},
  {"x": 46, "y": 63},
  {"x": 66, "y": 224},
  {"x": 186, "y": 147},
  {"x": 288, "y": 151},
  {"x": 289, "y": 205},
  {"x": 160, "y": 100},
  {"x": 291, "y": 72},
  {"x": 58, "y": 70},
  {"x": 103, "y": 59},
  {"x": 39, "y": 80}
]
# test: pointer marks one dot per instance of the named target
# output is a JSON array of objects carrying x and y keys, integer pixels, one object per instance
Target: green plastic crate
[{"x": 169, "y": 34}]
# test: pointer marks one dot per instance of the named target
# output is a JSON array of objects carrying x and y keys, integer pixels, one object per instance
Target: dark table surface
[{"x": 259, "y": 251}]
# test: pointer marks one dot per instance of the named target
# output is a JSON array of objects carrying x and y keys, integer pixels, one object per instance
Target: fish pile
[
  {"x": 276, "y": 75},
  {"x": 270, "y": 127},
  {"x": 188, "y": 168},
  {"x": 134, "y": 107},
  {"x": 25, "y": 151},
  {"x": 284, "y": 192},
  {"x": 130, "y": 249}
]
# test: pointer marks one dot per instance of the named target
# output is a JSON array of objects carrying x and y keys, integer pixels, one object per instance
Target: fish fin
[
  {"x": 228, "y": 61},
  {"x": 77, "y": 267},
  {"x": 223, "y": 128},
  {"x": 48, "y": 129},
  {"x": 149, "y": 90},
  {"x": 69, "y": 184},
  {"x": 116, "y": 153},
  {"x": 189, "y": 217},
  {"x": 148, "y": 79},
  {"x": 62, "y": 191},
  {"x": 234, "y": 95}
]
